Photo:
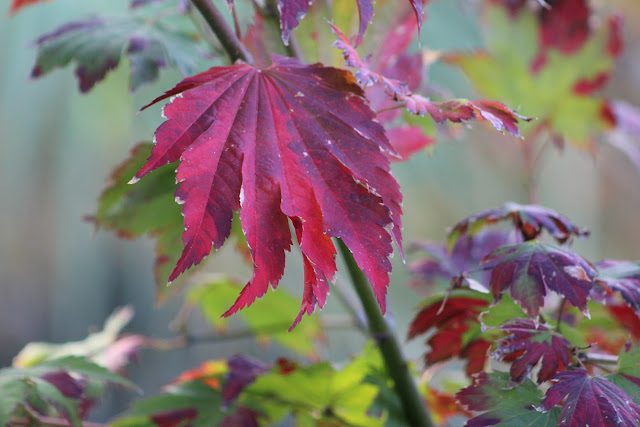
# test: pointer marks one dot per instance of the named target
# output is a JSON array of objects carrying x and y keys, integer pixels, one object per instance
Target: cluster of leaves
[
  {"x": 52, "y": 382},
  {"x": 525, "y": 311},
  {"x": 267, "y": 152},
  {"x": 324, "y": 168}
]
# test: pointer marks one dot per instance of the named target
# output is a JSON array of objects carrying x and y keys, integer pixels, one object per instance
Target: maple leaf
[
  {"x": 529, "y": 270},
  {"x": 588, "y": 400},
  {"x": 622, "y": 277},
  {"x": 504, "y": 404},
  {"x": 96, "y": 45},
  {"x": 464, "y": 259},
  {"x": 529, "y": 220},
  {"x": 456, "y": 111},
  {"x": 527, "y": 344},
  {"x": 555, "y": 61},
  {"x": 452, "y": 321},
  {"x": 287, "y": 142}
]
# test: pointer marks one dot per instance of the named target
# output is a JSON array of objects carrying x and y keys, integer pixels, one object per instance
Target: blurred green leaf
[
  {"x": 318, "y": 393},
  {"x": 96, "y": 45},
  {"x": 504, "y": 72},
  {"x": 192, "y": 402},
  {"x": 268, "y": 317}
]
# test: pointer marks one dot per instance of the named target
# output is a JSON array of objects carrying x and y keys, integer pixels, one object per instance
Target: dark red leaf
[
  {"x": 531, "y": 344},
  {"x": 287, "y": 142},
  {"x": 564, "y": 25},
  {"x": 65, "y": 383},
  {"x": 529, "y": 270},
  {"x": 242, "y": 417},
  {"x": 588, "y": 400},
  {"x": 174, "y": 417},
  {"x": 529, "y": 220},
  {"x": 243, "y": 371},
  {"x": 449, "y": 321}
]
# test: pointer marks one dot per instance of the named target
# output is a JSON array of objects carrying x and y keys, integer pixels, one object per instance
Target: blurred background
[{"x": 59, "y": 277}]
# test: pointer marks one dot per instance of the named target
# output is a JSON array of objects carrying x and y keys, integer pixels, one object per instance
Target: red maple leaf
[
  {"x": 16, "y": 5},
  {"x": 288, "y": 142},
  {"x": 451, "y": 320},
  {"x": 588, "y": 400},
  {"x": 527, "y": 344}
]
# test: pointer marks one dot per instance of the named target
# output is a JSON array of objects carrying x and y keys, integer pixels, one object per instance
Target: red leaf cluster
[{"x": 450, "y": 320}]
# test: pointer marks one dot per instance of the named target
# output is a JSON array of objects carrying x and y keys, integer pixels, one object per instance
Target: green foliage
[
  {"x": 318, "y": 393},
  {"x": 50, "y": 387},
  {"x": 96, "y": 46},
  {"x": 268, "y": 318},
  {"x": 147, "y": 208}
]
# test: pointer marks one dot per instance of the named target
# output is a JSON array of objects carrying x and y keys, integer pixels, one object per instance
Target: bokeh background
[{"x": 59, "y": 277}]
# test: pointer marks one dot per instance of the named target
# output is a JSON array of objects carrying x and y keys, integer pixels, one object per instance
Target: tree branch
[
  {"x": 413, "y": 404},
  {"x": 231, "y": 44}
]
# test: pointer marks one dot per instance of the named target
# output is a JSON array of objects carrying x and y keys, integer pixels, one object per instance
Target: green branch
[{"x": 413, "y": 404}]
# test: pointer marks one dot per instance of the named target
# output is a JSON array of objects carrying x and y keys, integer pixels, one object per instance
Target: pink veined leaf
[
  {"x": 460, "y": 110},
  {"x": 588, "y": 400},
  {"x": 288, "y": 142},
  {"x": 527, "y": 344}
]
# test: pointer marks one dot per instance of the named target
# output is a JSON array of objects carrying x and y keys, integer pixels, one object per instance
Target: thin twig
[
  {"x": 231, "y": 44},
  {"x": 560, "y": 313}
]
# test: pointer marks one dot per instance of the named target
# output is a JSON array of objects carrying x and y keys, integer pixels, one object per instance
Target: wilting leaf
[
  {"x": 529, "y": 220},
  {"x": 290, "y": 142},
  {"x": 268, "y": 318},
  {"x": 554, "y": 61},
  {"x": 588, "y": 400},
  {"x": 96, "y": 46},
  {"x": 504, "y": 404},
  {"x": 530, "y": 270},
  {"x": 456, "y": 111},
  {"x": 528, "y": 344},
  {"x": 622, "y": 277},
  {"x": 456, "y": 329}
]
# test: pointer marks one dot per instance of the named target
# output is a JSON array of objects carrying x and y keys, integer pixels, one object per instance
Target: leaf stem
[
  {"x": 225, "y": 34},
  {"x": 413, "y": 404}
]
